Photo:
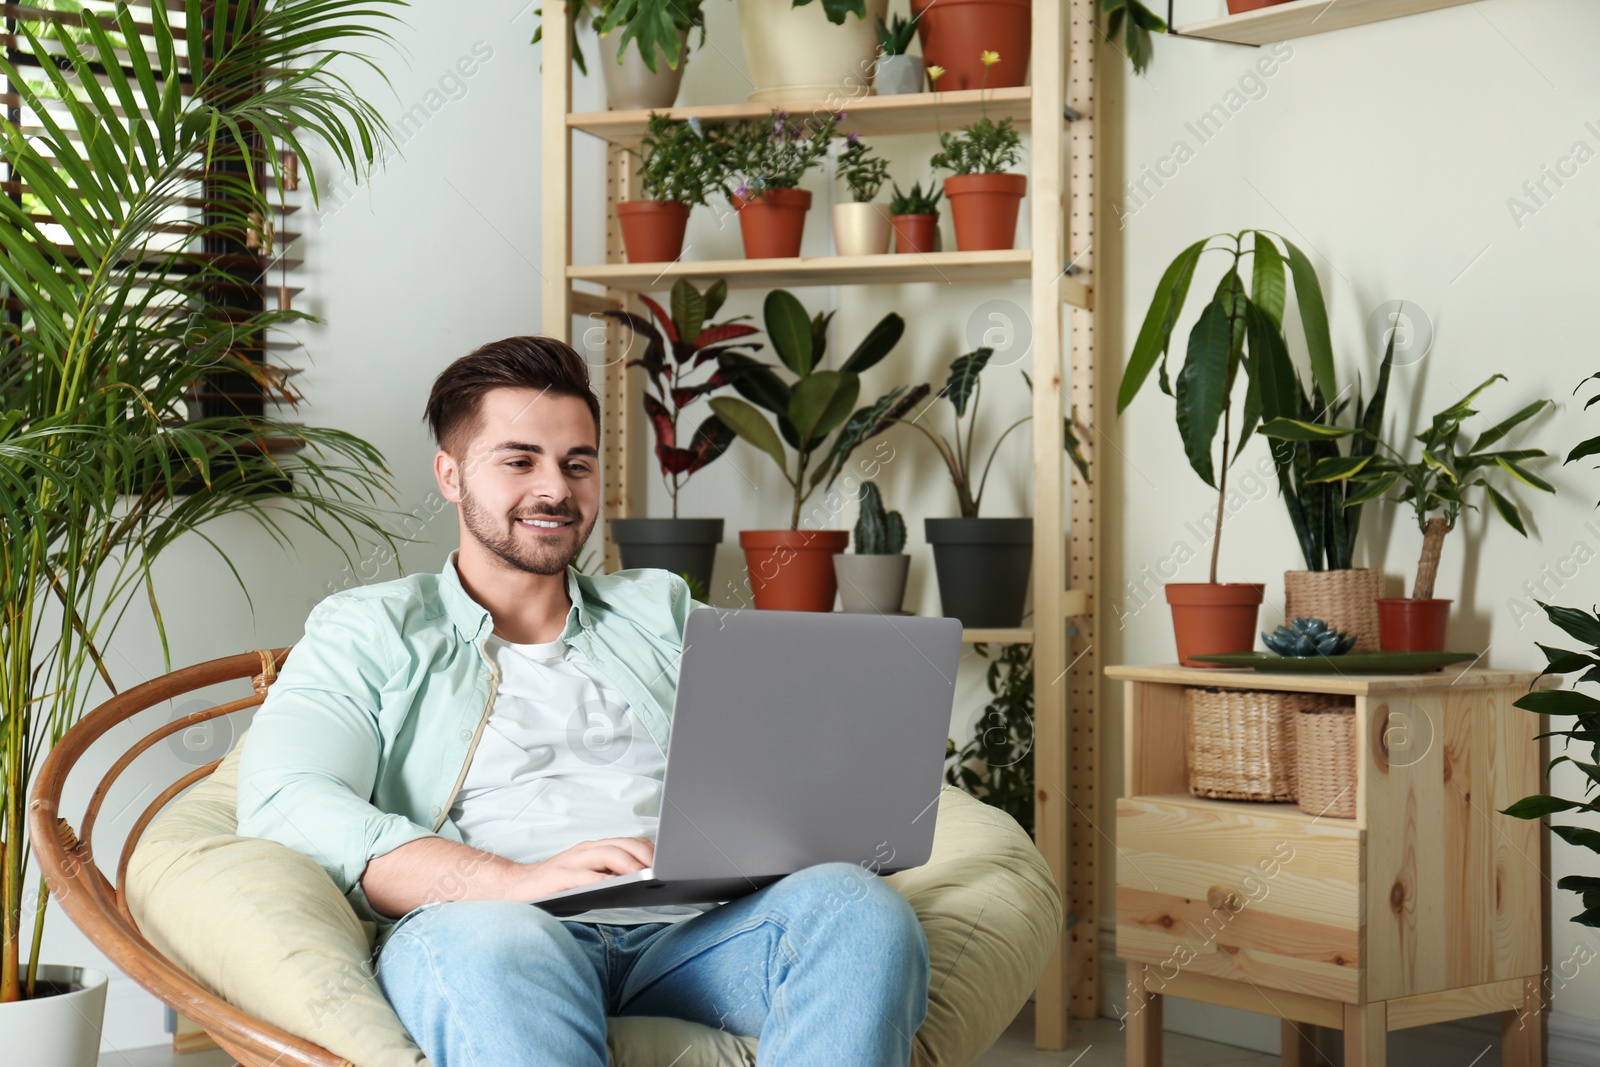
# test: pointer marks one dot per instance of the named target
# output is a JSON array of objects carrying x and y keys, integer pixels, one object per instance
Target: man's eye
[{"x": 578, "y": 468}]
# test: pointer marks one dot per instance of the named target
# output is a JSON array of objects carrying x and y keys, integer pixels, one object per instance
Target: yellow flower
[
  {"x": 935, "y": 72},
  {"x": 990, "y": 58}
]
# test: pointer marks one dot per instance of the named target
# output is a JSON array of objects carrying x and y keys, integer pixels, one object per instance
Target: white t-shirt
[{"x": 562, "y": 759}]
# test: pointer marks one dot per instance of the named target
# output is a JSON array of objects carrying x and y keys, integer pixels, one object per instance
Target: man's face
[{"x": 528, "y": 484}]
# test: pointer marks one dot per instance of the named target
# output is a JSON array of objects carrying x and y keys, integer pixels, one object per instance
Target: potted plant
[
  {"x": 895, "y": 73},
  {"x": 763, "y": 162},
  {"x": 691, "y": 340},
  {"x": 792, "y": 569},
  {"x": 1239, "y": 7},
  {"x": 1436, "y": 486},
  {"x": 803, "y": 51},
  {"x": 647, "y": 76},
  {"x": 984, "y": 197},
  {"x": 914, "y": 217},
  {"x": 861, "y": 227},
  {"x": 1134, "y": 23},
  {"x": 874, "y": 579},
  {"x": 674, "y": 175},
  {"x": 954, "y": 33},
  {"x": 1237, "y": 334},
  {"x": 996, "y": 763},
  {"x": 101, "y": 470}
]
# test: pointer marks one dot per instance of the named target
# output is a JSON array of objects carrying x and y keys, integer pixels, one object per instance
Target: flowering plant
[
  {"x": 982, "y": 147},
  {"x": 678, "y": 160},
  {"x": 862, "y": 171},
  {"x": 772, "y": 153}
]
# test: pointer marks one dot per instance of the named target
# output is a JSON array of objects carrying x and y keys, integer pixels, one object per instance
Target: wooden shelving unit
[
  {"x": 1301, "y": 18},
  {"x": 1056, "y": 264}
]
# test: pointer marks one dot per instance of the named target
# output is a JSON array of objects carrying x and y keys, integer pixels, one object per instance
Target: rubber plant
[
  {"x": 678, "y": 346},
  {"x": 117, "y": 326},
  {"x": 1584, "y": 626}
]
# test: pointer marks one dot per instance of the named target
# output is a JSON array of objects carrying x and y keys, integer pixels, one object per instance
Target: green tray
[{"x": 1349, "y": 663}]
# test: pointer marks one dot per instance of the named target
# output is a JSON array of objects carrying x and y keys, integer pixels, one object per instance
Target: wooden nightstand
[{"x": 1427, "y": 906}]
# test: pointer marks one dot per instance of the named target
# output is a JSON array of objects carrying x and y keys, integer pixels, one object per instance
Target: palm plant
[{"x": 159, "y": 141}]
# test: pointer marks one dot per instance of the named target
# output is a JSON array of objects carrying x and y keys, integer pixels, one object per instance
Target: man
[{"x": 449, "y": 746}]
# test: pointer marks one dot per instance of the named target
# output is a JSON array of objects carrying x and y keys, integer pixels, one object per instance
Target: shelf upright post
[
  {"x": 555, "y": 208},
  {"x": 1083, "y": 555},
  {"x": 622, "y": 459},
  {"x": 1050, "y": 819}
]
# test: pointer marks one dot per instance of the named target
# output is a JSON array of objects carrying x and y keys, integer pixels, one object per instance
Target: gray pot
[
  {"x": 682, "y": 546},
  {"x": 897, "y": 75},
  {"x": 630, "y": 85},
  {"x": 983, "y": 567},
  {"x": 871, "y": 585}
]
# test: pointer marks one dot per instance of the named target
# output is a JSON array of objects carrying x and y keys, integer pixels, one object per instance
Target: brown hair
[{"x": 541, "y": 363}]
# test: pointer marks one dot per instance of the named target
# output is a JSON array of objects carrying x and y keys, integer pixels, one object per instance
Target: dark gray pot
[
  {"x": 682, "y": 546},
  {"x": 983, "y": 567}
]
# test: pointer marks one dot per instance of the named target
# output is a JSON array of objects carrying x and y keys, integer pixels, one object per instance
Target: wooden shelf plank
[
  {"x": 1289, "y": 813},
  {"x": 942, "y": 267},
  {"x": 1075, "y": 291},
  {"x": 1301, "y": 18},
  {"x": 871, "y": 116},
  {"x": 1018, "y": 635},
  {"x": 1350, "y": 684}
]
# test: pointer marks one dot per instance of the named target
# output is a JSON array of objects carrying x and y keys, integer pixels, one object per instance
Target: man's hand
[{"x": 583, "y": 864}]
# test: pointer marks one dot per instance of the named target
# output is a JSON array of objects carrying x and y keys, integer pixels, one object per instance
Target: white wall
[{"x": 1394, "y": 154}]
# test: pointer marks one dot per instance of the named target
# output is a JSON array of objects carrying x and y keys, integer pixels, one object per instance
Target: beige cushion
[{"x": 264, "y": 928}]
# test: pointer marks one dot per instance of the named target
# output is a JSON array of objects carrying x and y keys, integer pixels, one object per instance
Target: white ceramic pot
[
  {"x": 61, "y": 1030},
  {"x": 795, "y": 54},
  {"x": 871, "y": 585},
  {"x": 630, "y": 85},
  {"x": 860, "y": 229},
  {"x": 898, "y": 75}
]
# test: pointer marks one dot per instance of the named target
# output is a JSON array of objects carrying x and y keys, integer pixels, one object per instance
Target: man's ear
[{"x": 447, "y": 472}]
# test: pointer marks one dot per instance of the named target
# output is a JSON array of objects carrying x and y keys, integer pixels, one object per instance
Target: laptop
[{"x": 798, "y": 738}]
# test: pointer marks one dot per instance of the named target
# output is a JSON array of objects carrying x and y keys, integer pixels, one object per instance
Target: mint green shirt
[{"x": 363, "y": 741}]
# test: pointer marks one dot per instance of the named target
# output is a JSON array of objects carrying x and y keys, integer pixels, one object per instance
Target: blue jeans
[{"x": 828, "y": 966}]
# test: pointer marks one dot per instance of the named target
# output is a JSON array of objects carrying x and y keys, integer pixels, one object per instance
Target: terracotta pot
[
  {"x": 792, "y": 570},
  {"x": 984, "y": 208},
  {"x": 955, "y": 34},
  {"x": 860, "y": 229},
  {"x": 1239, "y": 7},
  {"x": 916, "y": 233},
  {"x": 630, "y": 85},
  {"x": 773, "y": 222},
  {"x": 1406, "y": 625},
  {"x": 795, "y": 53},
  {"x": 1213, "y": 619},
  {"x": 652, "y": 230}
]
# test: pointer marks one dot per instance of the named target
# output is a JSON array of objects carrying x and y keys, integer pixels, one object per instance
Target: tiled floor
[{"x": 1094, "y": 1044}]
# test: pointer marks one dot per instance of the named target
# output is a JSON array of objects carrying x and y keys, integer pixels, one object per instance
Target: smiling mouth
[{"x": 544, "y": 524}]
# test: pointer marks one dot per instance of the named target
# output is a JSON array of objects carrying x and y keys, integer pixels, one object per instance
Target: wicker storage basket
[
  {"x": 1241, "y": 743},
  {"x": 1345, "y": 600},
  {"x": 1325, "y": 758}
]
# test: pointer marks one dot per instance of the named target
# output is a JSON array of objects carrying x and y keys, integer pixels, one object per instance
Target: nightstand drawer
[{"x": 1252, "y": 892}]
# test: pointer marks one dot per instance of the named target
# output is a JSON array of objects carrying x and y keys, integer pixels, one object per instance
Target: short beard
[{"x": 537, "y": 558}]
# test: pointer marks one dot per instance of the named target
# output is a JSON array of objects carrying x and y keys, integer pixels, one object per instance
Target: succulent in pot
[
  {"x": 896, "y": 73},
  {"x": 873, "y": 579},
  {"x": 761, "y": 165},
  {"x": 677, "y": 171},
  {"x": 915, "y": 218},
  {"x": 860, "y": 225},
  {"x": 678, "y": 346},
  {"x": 1308, "y": 637},
  {"x": 815, "y": 414},
  {"x": 985, "y": 197}
]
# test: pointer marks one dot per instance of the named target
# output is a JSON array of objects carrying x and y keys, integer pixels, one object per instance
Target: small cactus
[
  {"x": 877, "y": 533},
  {"x": 1308, "y": 637}
]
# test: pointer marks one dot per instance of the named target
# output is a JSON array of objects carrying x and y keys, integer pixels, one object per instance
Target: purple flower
[
  {"x": 742, "y": 191},
  {"x": 852, "y": 138},
  {"x": 843, "y": 115}
]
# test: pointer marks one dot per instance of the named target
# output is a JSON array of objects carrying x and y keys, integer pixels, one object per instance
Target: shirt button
[
  {"x": 465, "y": 734},
  {"x": 435, "y": 813}
]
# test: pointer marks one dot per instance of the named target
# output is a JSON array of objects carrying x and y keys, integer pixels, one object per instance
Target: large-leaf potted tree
[
  {"x": 677, "y": 349},
  {"x": 792, "y": 569},
  {"x": 1436, "y": 486},
  {"x": 112, "y": 333},
  {"x": 1235, "y": 336}
]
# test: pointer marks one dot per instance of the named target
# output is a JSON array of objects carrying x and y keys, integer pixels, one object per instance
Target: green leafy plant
[
  {"x": 895, "y": 37},
  {"x": 836, "y": 10},
  {"x": 1437, "y": 483},
  {"x": 771, "y": 153},
  {"x": 981, "y": 147},
  {"x": 878, "y": 533},
  {"x": 115, "y": 329},
  {"x": 964, "y": 389},
  {"x": 677, "y": 159},
  {"x": 807, "y": 412},
  {"x": 862, "y": 171},
  {"x": 916, "y": 202},
  {"x": 654, "y": 27},
  {"x": 1134, "y": 23},
  {"x": 1239, "y": 330},
  {"x": 691, "y": 341},
  {"x": 996, "y": 764}
]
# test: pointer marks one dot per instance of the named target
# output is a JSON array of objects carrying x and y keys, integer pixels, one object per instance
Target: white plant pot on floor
[
  {"x": 795, "y": 53},
  {"x": 860, "y": 229},
  {"x": 61, "y": 1030}
]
